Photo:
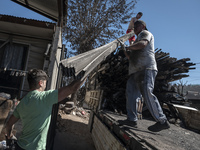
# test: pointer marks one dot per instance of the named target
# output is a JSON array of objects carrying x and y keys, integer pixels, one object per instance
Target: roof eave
[{"x": 60, "y": 14}]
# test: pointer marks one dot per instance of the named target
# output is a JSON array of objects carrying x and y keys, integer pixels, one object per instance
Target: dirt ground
[{"x": 73, "y": 133}]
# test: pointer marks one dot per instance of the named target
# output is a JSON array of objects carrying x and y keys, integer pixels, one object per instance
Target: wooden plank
[
  {"x": 103, "y": 138},
  {"x": 190, "y": 115}
]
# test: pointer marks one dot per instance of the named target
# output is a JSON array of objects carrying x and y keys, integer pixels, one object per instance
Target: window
[{"x": 12, "y": 57}]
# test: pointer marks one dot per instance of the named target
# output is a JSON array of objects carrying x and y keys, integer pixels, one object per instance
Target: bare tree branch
[{"x": 92, "y": 23}]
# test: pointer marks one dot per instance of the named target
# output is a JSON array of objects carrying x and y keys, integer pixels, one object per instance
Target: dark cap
[
  {"x": 140, "y": 13},
  {"x": 37, "y": 73},
  {"x": 141, "y": 22}
]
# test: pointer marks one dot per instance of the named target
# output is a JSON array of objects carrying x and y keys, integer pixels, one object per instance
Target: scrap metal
[{"x": 82, "y": 64}]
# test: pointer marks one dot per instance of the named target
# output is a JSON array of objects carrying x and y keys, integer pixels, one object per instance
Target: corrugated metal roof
[
  {"x": 25, "y": 21},
  {"x": 48, "y": 8},
  {"x": 81, "y": 65}
]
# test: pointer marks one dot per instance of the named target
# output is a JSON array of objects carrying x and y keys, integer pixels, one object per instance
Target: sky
[{"x": 175, "y": 25}]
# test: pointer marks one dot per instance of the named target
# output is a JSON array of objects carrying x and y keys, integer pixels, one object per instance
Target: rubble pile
[
  {"x": 112, "y": 74},
  {"x": 70, "y": 108}
]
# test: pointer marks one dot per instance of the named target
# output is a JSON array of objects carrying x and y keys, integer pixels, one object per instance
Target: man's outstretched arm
[{"x": 70, "y": 89}]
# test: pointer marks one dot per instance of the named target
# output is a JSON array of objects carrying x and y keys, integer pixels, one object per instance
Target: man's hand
[
  {"x": 124, "y": 47},
  {"x": 126, "y": 54}
]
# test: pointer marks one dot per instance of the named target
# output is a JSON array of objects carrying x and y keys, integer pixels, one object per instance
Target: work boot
[
  {"x": 158, "y": 126},
  {"x": 133, "y": 124},
  {"x": 128, "y": 123}
]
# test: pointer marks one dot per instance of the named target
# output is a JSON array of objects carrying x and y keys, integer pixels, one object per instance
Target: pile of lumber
[
  {"x": 171, "y": 69},
  {"x": 112, "y": 74}
]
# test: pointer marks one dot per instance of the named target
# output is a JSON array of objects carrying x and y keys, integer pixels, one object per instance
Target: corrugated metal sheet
[
  {"x": 25, "y": 21},
  {"x": 81, "y": 65}
]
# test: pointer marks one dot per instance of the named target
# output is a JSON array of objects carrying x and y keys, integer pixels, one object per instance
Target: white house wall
[{"x": 37, "y": 45}]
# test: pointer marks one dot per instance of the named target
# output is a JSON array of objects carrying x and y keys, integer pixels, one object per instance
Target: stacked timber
[
  {"x": 171, "y": 69},
  {"x": 112, "y": 74}
]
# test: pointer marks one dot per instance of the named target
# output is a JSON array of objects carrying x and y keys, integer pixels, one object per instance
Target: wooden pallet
[{"x": 93, "y": 99}]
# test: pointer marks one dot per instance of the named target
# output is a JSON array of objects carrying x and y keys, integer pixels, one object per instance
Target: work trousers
[{"x": 142, "y": 83}]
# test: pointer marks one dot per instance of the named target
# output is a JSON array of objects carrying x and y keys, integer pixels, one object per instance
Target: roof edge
[{"x": 25, "y": 21}]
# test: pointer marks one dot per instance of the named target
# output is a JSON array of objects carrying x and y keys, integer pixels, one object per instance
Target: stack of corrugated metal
[{"x": 81, "y": 65}]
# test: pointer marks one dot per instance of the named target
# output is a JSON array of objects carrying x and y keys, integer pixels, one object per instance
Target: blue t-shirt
[{"x": 34, "y": 110}]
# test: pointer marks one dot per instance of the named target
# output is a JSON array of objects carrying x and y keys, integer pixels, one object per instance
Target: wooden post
[{"x": 55, "y": 58}]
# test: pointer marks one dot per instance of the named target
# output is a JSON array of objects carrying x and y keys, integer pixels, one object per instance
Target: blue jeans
[{"x": 142, "y": 83}]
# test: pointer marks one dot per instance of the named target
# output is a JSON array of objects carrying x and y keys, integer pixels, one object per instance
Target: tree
[
  {"x": 92, "y": 23},
  {"x": 181, "y": 86}
]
